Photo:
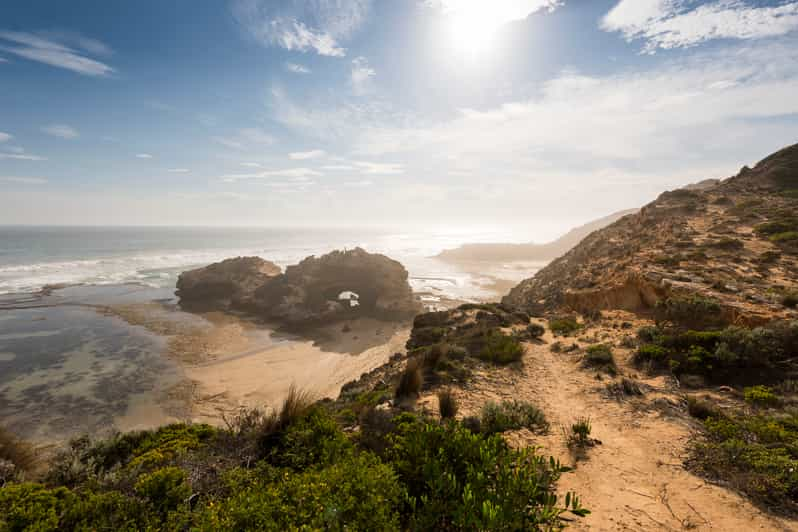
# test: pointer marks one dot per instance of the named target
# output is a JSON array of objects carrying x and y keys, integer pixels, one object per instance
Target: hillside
[
  {"x": 496, "y": 252},
  {"x": 734, "y": 242}
]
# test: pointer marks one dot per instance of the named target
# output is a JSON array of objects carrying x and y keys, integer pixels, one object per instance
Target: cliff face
[{"x": 734, "y": 242}]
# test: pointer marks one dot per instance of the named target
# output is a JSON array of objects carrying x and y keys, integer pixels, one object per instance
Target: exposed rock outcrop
[
  {"x": 316, "y": 289},
  {"x": 339, "y": 285},
  {"x": 227, "y": 284},
  {"x": 734, "y": 242}
]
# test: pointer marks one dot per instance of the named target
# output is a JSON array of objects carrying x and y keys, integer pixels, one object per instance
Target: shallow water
[{"x": 67, "y": 369}]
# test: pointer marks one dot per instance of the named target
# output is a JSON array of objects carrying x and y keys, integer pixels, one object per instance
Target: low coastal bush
[
  {"x": 578, "y": 434},
  {"x": 564, "y": 326},
  {"x": 757, "y": 455},
  {"x": 701, "y": 408},
  {"x": 600, "y": 357},
  {"x": 693, "y": 311},
  {"x": 760, "y": 395},
  {"x": 512, "y": 415},
  {"x": 425, "y": 476},
  {"x": 500, "y": 348},
  {"x": 732, "y": 354}
]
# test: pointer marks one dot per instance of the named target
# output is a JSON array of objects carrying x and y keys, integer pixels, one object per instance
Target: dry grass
[
  {"x": 447, "y": 404},
  {"x": 16, "y": 451},
  {"x": 410, "y": 381}
]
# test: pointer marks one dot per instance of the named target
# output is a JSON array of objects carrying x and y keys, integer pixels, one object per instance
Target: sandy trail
[{"x": 633, "y": 480}]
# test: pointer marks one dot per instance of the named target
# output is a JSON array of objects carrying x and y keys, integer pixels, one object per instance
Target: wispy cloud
[
  {"x": 251, "y": 165},
  {"x": 23, "y": 180},
  {"x": 21, "y": 157},
  {"x": 178, "y": 170},
  {"x": 361, "y": 76},
  {"x": 3, "y": 60},
  {"x": 372, "y": 168},
  {"x": 144, "y": 156},
  {"x": 61, "y": 130},
  {"x": 302, "y": 25},
  {"x": 338, "y": 167},
  {"x": 294, "y": 173},
  {"x": 5, "y": 137},
  {"x": 681, "y": 23},
  {"x": 63, "y": 50},
  {"x": 245, "y": 137},
  {"x": 305, "y": 155},
  {"x": 358, "y": 184},
  {"x": 297, "y": 68}
]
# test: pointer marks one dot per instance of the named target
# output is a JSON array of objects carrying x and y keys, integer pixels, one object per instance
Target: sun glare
[{"x": 475, "y": 24}]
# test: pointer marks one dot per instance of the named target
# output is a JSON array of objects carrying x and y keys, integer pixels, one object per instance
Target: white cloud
[
  {"x": 5, "y": 137},
  {"x": 681, "y": 23},
  {"x": 144, "y": 156},
  {"x": 371, "y": 168},
  {"x": 305, "y": 155},
  {"x": 297, "y": 68},
  {"x": 338, "y": 167},
  {"x": 178, "y": 170},
  {"x": 251, "y": 165},
  {"x": 62, "y": 50},
  {"x": 23, "y": 180},
  {"x": 295, "y": 173},
  {"x": 3, "y": 60},
  {"x": 361, "y": 77},
  {"x": 302, "y": 25},
  {"x": 21, "y": 157},
  {"x": 61, "y": 130},
  {"x": 245, "y": 137},
  {"x": 357, "y": 184}
]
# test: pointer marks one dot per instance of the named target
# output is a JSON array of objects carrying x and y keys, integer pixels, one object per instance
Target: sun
[{"x": 472, "y": 31}]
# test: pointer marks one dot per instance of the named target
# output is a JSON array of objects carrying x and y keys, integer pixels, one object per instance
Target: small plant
[
  {"x": 535, "y": 331},
  {"x": 790, "y": 300},
  {"x": 410, "y": 381},
  {"x": 564, "y": 326},
  {"x": 701, "y": 408},
  {"x": 512, "y": 415},
  {"x": 578, "y": 434},
  {"x": 447, "y": 404},
  {"x": 624, "y": 387},
  {"x": 760, "y": 395}
]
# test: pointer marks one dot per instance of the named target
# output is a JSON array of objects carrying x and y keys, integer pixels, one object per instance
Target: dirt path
[{"x": 633, "y": 480}]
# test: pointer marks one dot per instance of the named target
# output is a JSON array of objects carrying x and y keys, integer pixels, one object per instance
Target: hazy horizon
[{"x": 448, "y": 114}]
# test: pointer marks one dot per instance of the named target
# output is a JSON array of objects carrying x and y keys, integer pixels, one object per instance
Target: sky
[{"x": 538, "y": 114}]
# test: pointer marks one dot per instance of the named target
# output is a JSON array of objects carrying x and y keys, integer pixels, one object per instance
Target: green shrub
[
  {"x": 312, "y": 439},
  {"x": 358, "y": 493},
  {"x": 165, "y": 489},
  {"x": 754, "y": 454},
  {"x": 512, "y": 415},
  {"x": 688, "y": 310},
  {"x": 500, "y": 348},
  {"x": 410, "y": 381},
  {"x": 534, "y": 331},
  {"x": 624, "y": 387},
  {"x": 459, "y": 480},
  {"x": 30, "y": 506},
  {"x": 599, "y": 356},
  {"x": 760, "y": 395},
  {"x": 447, "y": 404},
  {"x": 564, "y": 326},
  {"x": 788, "y": 236}
]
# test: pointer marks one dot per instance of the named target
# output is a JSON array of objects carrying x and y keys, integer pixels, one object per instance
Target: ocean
[{"x": 34, "y": 257}]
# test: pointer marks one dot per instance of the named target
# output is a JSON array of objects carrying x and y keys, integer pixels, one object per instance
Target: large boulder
[
  {"x": 336, "y": 286},
  {"x": 227, "y": 284},
  {"x": 339, "y": 285}
]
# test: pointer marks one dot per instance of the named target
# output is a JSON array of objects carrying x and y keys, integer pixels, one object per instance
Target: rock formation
[
  {"x": 734, "y": 242},
  {"x": 227, "y": 284},
  {"x": 339, "y": 285}
]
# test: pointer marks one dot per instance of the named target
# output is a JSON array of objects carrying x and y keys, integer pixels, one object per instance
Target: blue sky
[{"x": 454, "y": 113}]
